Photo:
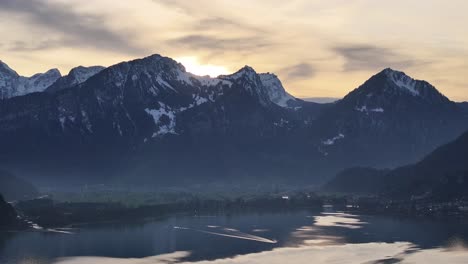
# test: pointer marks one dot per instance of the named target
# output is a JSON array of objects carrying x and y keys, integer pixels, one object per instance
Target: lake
[{"x": 273, "y": 237}]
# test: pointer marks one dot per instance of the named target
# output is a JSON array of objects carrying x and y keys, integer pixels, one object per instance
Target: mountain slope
[
  {"x": 443, "y": 174},
  {"x": 12, "y": 84},
  {"x": 357, "y": 180},
  {"x": 388, "y": 121}
]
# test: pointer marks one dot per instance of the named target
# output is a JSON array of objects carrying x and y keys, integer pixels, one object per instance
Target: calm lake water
[{"x": 281, "y": 237}]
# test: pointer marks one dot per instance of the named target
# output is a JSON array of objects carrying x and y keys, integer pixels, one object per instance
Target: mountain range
[{"x": 149, "y": 122}]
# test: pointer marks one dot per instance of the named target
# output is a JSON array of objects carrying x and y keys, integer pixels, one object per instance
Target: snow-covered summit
[
  {"x": 12, "y": 84},
  {"x": 418, "y": 88},
  {"x": 394, "y": 89},
  {"x": 401, "y": 80},
  {"x": 245, "y": 72},
  {"x": 76, "y": 76},
  {"x": 81, "y": 74},
  {"x": 267, "y": 86}
]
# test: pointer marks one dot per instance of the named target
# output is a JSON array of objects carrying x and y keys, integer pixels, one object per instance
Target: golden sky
[{"x": 317, "y": 48}]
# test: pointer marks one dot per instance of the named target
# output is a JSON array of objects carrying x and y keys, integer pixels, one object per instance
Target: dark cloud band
[
  {"x": 73, "y": 28},
  {"x": 298, "y": 71},
  {"x": 369, "y": 57}
]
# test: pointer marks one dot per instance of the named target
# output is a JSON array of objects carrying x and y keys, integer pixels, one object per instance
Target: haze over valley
[{"x": 233, "y": 132}]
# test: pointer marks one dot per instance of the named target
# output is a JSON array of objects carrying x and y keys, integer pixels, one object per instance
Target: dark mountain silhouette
[
  {"x": 357, "y": 180},
  {"x": 389, "y": 121},
  {"x": 441, "y": 175},
  {"x": 8, "y": 216},
  {"x": 14, "y": 188}
]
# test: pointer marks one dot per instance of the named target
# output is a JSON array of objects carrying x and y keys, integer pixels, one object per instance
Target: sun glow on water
[{"x": 192, "y": 65}]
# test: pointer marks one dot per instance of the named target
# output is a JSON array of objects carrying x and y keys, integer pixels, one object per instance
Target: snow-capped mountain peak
[
  {"x": 159, "y": 63},
  {"x": 81, "y": 73},
  {"x": 12, "y": 84},
  {"x": 394, "y": 89},
  {"x": 76, "y": 76},
  {"x": 245, "y": 72},
  {"x": 402, "y": 80},
  {"x": 266, "y": 86}
]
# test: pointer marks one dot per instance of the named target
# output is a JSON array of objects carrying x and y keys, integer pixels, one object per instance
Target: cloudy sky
[{"x": 317, "y": 48}]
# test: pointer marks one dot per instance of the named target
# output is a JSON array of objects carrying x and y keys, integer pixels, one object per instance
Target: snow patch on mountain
[
  {"x": 86, "y": 122},
  {"x": 163, "y": 83},
  {"x": 276, "y": 91},
  {"x": 208, "y": 81},
  {"x": 157, "y": 115},
  {"x": 281, "y": 123},
  {"x": 183, "y": 76},
  {"x": 62, "y": 122},
  {"x": 403, "y": 81},
  {"x": 187, "y": 77},
  {"x": 364, "y": 109},
  {"x": 331, "y": 141},
  {"x": 199, "y": 100},
  {"x": 64, "y": 116}
]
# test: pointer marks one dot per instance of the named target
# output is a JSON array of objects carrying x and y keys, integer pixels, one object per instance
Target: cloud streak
[
  {"x": 204, "y": 42},
  {"x": 369, "y": 57},
  {"x": 223, "y": 24},
  {"x": 299, "y": 71},
  {"x": 74, "y": 29}
]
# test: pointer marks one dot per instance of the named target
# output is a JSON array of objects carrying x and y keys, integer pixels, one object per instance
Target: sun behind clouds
[{"x": 192, "y": 65}]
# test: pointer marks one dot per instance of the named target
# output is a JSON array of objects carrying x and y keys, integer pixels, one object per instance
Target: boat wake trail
[{"x": 233, "y": 233}]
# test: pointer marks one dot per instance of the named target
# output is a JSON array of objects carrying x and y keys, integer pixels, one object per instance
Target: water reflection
[
  {"x": 270, "y": 238},
  {"x": 369, "y": 253},
  {"x": 339, "y": 220}
]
